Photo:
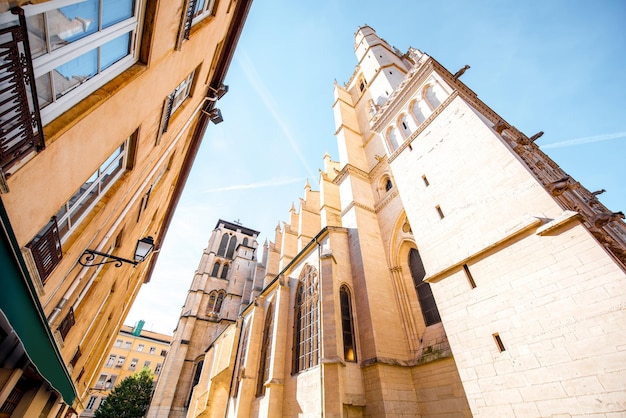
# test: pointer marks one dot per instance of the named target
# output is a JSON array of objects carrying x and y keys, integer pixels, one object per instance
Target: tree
[{"x": 129, "y": 399}]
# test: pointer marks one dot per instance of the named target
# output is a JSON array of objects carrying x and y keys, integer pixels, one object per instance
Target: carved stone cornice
[
  {"x": 358, "y": 205},
  {"x": 386, "y": 200},
  {"x": 349, "y": 169}
]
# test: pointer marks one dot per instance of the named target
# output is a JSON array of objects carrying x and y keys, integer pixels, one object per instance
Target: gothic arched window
[
  {"x": 347, "y": 325},
  {"x": 216, "y": 299},
  {"x": 431, "y": 96},
  {"x": 224, "y": 272},
  {"x": 245, "y": 242},
  {"x": 424, "y": 293},
  {"x": 405, "y": 126},
  {"x": 231, "y": 247},
  {"x": 266, "y": 349},
  {"x": 223, "y": 243},
  {"x": 417, "y": 112},
  {"x": 392, "y": 137},
  {"x": 306, "y": 327},
  {"x": 216, "y": 269}
]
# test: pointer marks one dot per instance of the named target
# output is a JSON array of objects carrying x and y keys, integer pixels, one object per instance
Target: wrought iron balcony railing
[{"x": 21, "y": 131}]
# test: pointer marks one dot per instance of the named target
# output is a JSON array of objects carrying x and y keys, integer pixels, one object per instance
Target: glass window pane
[
  {"x": 44, "y": 90},
  {"x": 114, "y": 50},
  {"x": 114, "y": 11},
  {"x": 73, "y": 22},
  {"x": 109, "y": 160},
  {"x": 198, "y": 7},
  {"x": 84, "y": 204},
  {"x": 84, "y": 189},
  {"x": 109, "y": 174},
  {"x": 36, "y": 35},
  {"x": 72, "y": 73}
]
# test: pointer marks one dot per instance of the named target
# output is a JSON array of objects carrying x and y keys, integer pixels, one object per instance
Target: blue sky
[{"x": 556, "y": 66}]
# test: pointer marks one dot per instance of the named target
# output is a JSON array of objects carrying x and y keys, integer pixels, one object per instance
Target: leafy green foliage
[{"x": 129, "y": 399}]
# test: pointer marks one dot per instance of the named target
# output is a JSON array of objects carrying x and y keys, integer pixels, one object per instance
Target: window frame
[
  {"x": 347, "y": 325},
  {"x": 72, "y": 213},
  {"x": 306, "y": 321},
  {"x": 263, "y": 373},
  {"x": 50, "y": 60}
]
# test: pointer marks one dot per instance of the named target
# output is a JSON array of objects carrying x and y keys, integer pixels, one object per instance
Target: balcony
[{"x": 21, "y": 131}]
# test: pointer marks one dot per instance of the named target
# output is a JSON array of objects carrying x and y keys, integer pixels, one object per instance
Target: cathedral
[{"x": 444, "y": 266}]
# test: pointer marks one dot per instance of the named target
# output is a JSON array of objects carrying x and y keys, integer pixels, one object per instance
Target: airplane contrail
[
  {"x": 268, "y": 100},
  {"x": 584, "y": 140},
  {"x": 256, "y": 185}
]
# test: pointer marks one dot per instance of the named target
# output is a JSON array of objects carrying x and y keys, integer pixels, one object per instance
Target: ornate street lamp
[{"x": 142, "y": 251}]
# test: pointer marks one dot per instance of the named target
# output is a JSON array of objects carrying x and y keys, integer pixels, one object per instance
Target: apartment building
[
  {"x": 135, "y": 349},
  {"x": 103, "y": 106}
]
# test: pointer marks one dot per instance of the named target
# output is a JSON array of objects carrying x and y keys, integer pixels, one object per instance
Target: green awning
[{"x": 22, "y": 309}]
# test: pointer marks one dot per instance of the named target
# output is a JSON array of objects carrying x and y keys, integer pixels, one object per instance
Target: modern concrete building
[
  {"x": 103, "y": 105},
  {"x": 135, "y": 349},
  {"x": 445, "y": 266}
]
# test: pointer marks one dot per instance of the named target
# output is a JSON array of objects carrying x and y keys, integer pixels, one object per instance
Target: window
[
  {"x": 392, "y": 138},
  {"x": 76, "y": 356},
  {"x": 119, "y": 343},
  {"x": 163, "y": 353},
  {"x": 152, "y": 350},
  {"x": 470, "y": 278},
  {"x": 424, "y": 293},
  {"x": 67, "y": 323},
  {"x": 157, "y": 369},
  {"x": 85, "y": 198},
  {"x": 362, "y": 85},
  {"x": 306, "y": 344},
  {"x": 231, "y": 247},
  {"x": 216, "y": 298},
  {"x": 223, "y": 244},
  {"x": 241, "y": 359},
  {"x": 499, "y": 343},
  {"x": 140, "y": 347},
  {"x": 406, "y": 126},
  {"x": 111, "y": 361},
  {"x": 202, "y": 9},
  {"x": 176, "y": 99},
  {"x": 224, "y": 272},
  {"x": 133, "y": 364},
  {"x": 439, "y": 212},
  {"x": 196, "y": 379},
  {"x": 146, "y": 364},
  {"x": 120, "y": 362},
  {"x": 431, "y": 97},
  {"x": 128, "y": 344},
  {"x": 91, "y": 402},
  {"x": 216, "y": 269},
  {"x": 388, "y": 185},
  {"x": 266, "y": 349},
  {"x": 347, "y": 325},
  {"x": 79, "y": 47},
  {"x": 101, "y": 380}
]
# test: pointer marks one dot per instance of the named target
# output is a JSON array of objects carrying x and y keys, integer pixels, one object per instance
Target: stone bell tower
[{"x": 225, "y": 282}]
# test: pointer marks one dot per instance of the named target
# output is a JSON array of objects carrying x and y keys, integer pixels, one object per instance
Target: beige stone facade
[
  {"x": 444, "y": 267},
  {"x": 92, "y": 162},
  {"x": 134, "y": 349}
]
